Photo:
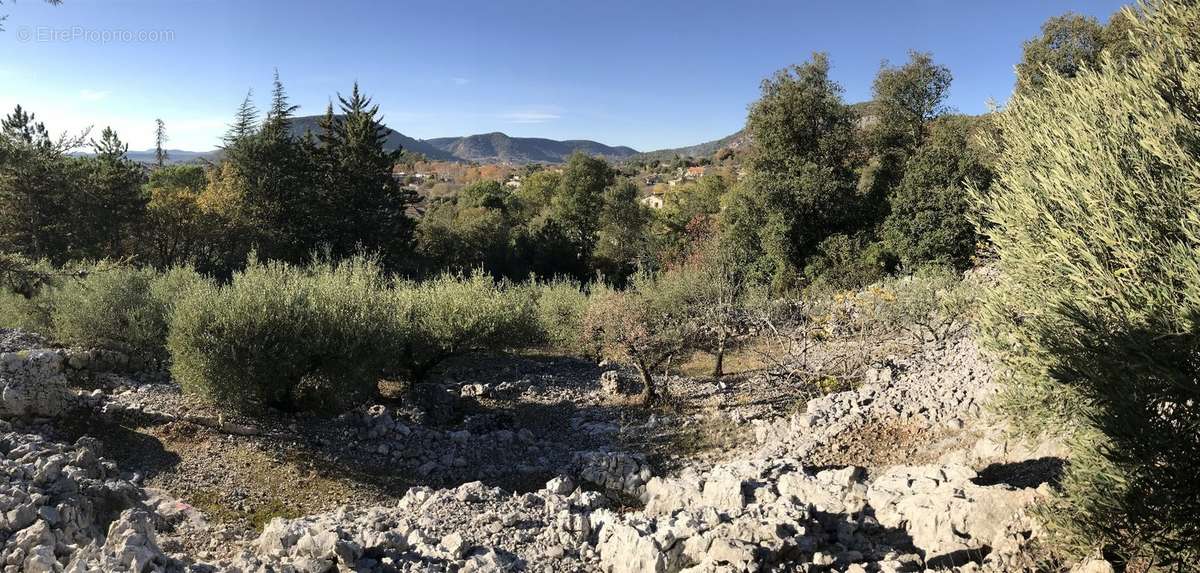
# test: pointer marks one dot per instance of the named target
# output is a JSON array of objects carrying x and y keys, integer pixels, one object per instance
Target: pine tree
[
  {"x": 110, "y": 147},
  {"x": 160, "y": 138},
  {"x": 35, "y": 190},
  {"x": 245, "y": 122},
  {"x": 271, "y": 175},
  {"x": 22, "y": 126},
  {"x": 363, "y": 205},
  {"x": 111, "y": 206},
  {"x": 278, "y": 122}
]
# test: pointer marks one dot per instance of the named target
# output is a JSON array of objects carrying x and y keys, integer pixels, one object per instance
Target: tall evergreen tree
[
  {"x": 111, "y": 206},
  {"x": 278, "y": 122},
  {"x": 160, "y": 138},
  {"x": 35, "y": 190},
  {"x": 363, "y": 206},
  {"x": 21, "y": 126},
  {"x": 267, "y": 182},
  {"x": 245, "y": 121}
]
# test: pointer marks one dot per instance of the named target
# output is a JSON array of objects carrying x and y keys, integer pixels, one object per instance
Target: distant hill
[
  {"x": 488, "y": 147},
  {"x": 395, "y": 139},
  {"x": 173, "y": 155},
  {"x": 484, "y": 148},
  {"x": 500, "y": 148},
  {"x": 707, "y": 149}
]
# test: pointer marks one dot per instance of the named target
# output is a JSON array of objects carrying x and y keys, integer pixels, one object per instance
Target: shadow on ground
[{"x": 1023, "y": 474}]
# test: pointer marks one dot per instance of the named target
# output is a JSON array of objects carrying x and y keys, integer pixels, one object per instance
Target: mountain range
[
  {"x": 173, "y": 155},
  {"x": 395, "y": 139},
  {"x": 500, "y": 148},
  {"x": 488, "y": 147},
  {"x": 493, "y": 147}
]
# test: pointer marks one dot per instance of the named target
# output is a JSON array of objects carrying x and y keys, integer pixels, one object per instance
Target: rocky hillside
[{"x": 537, "y": 464}]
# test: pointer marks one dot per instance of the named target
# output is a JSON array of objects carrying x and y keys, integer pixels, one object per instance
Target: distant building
[
  {"x": 652, "y": 201},
  {"x": 695, "y": 172}
]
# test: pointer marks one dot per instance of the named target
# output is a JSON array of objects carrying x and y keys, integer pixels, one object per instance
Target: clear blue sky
[{"x": 648, "y": 74}]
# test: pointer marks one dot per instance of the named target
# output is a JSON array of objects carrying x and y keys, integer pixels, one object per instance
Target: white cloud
[
  {"x": 530, "y": 116},
  {"x": 93, "y": 95},
  {"x": 460, "y": 81}
]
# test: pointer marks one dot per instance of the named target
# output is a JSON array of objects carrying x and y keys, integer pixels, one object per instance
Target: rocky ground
[{"x": 534, "y": 463}]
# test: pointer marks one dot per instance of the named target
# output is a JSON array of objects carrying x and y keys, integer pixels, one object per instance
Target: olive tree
[{"x": 1096, "y": 218}]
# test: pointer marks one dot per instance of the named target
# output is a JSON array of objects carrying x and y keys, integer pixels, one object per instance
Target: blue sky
[{"x": 648, "y": 74}]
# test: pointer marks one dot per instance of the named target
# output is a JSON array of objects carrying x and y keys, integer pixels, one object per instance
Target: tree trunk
[
  {"x": 719, "y": 367},
  {"x": 649, "y": 396}
]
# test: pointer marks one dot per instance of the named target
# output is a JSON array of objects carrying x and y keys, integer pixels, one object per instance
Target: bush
[
  {"x": 23, "y": 284},
  {"x": 932, "y": 304},
  {"x": 118, "y": 307},
  {"x": 846, "y": 263},
  {"x": 1096, "y": 219},
  {"x": 561, "y": 304},
  {"x": 285, "y": 336},
  {"x": 452, "y": 315},
  {"x": 31, "y": 314},
  {"x": 647, "y": 324},
  {"x": 101, "y": 305}
]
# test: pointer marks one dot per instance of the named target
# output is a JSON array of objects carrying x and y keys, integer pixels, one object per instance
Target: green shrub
[
  {"x": 934, "y": 303},
  {"x": 113, "y": 307},
  {"x": 452, "y": 315},
  {"x": 100, "y": 305},
  {"x": 31, "y": 314},
  {"x": 23, "y": 285},
  {"x": 174, "y": 283},
  {"x": 647, "y": 324},
  {"x": 844, "y": 263},
  {"x": 285, "y": 336},
  {"x": 561, "y": 304},
  {"x": 1096, "y": 218}
]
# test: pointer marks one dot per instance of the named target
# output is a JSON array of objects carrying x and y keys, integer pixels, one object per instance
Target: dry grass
[
  {"x": 751, "y": 357},
  {"x": 235, "y": 481}
]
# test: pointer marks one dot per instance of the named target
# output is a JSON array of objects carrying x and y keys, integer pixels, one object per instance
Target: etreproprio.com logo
[{"x": 92, "y": 35}]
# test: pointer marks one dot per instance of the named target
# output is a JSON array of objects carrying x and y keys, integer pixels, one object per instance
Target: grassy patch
[{"x": 750, "y": 357}]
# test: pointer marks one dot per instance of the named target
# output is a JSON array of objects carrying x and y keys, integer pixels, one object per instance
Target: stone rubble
[
  {"x": 63, "y": 508},
  {"x": 34, "y": 383},
  {"x": 945, "y": 385}
]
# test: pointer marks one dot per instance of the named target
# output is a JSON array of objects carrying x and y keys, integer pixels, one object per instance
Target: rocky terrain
[{"x": 536, "y": 464}]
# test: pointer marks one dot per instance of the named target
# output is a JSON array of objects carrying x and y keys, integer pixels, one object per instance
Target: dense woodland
[{"x": 296, "y": 268}]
